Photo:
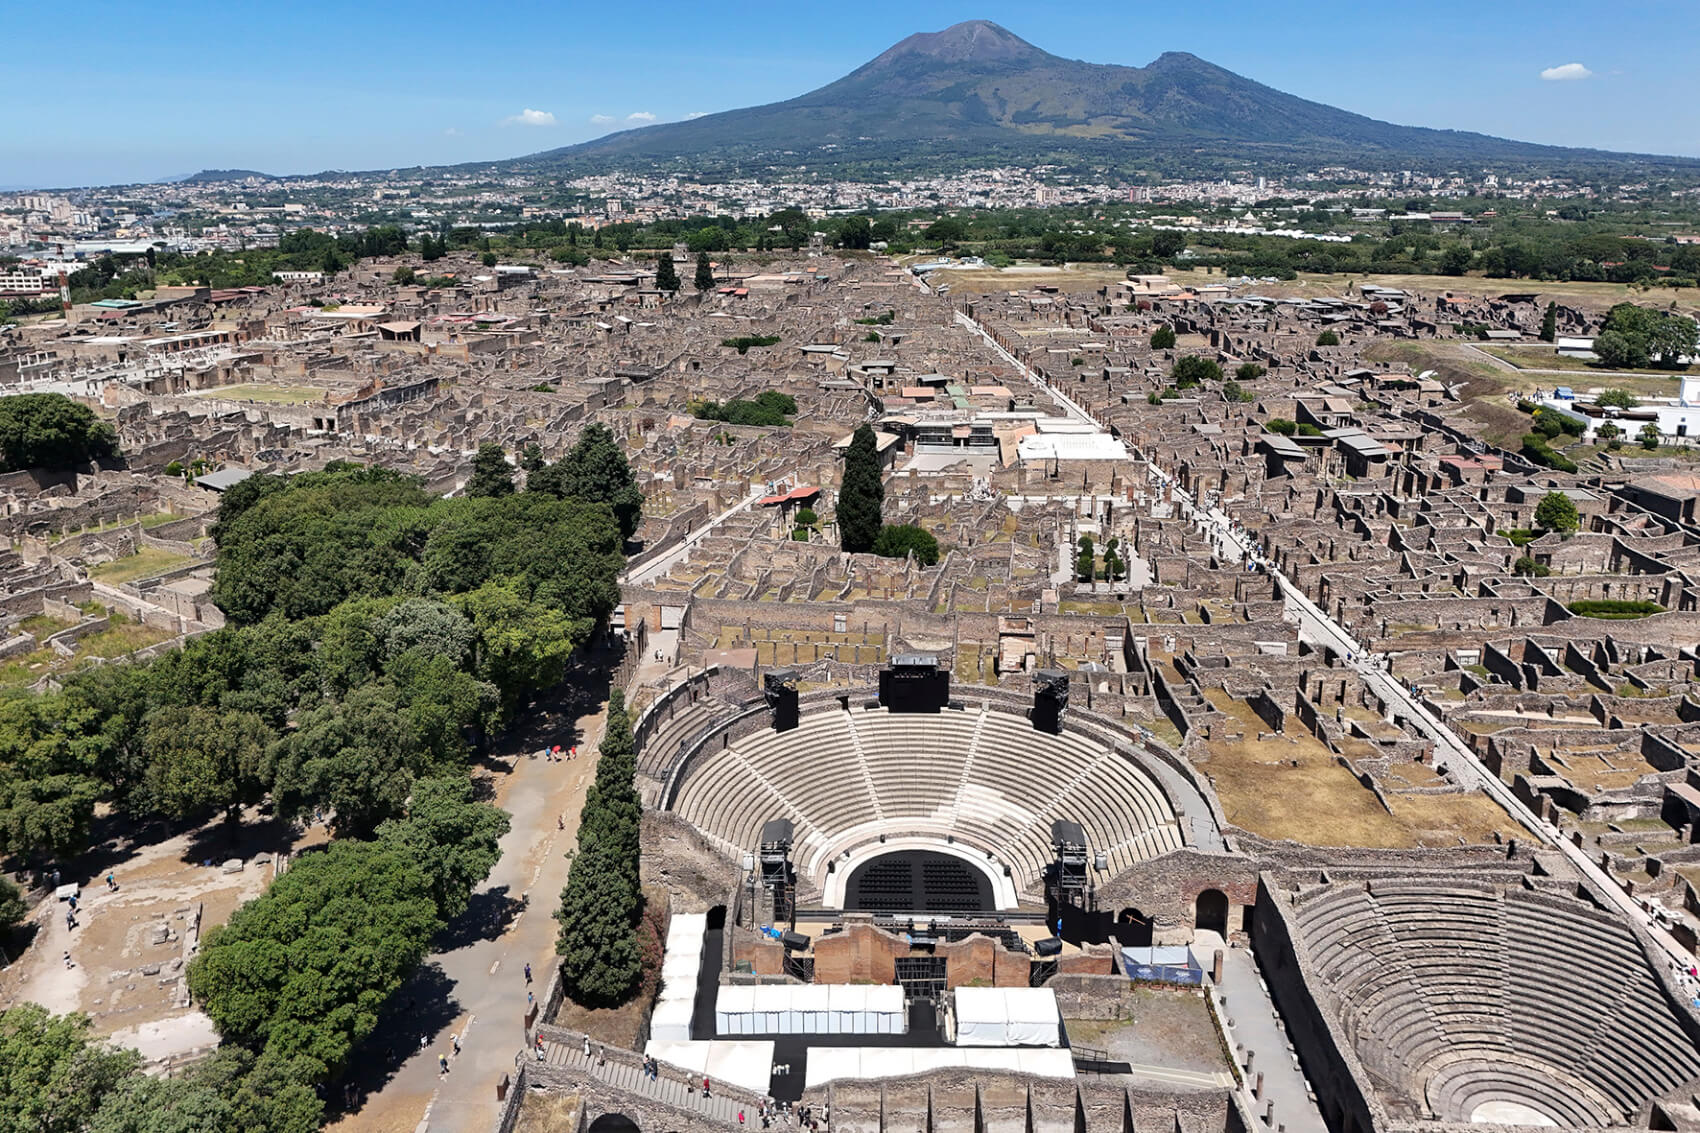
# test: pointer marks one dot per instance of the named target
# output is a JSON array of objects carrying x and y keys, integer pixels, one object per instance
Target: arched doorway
[
  {"x": 1133, "y": 928},
  {"x": 613, "y": 1123},
  {"x": 1210, "y": 913}
]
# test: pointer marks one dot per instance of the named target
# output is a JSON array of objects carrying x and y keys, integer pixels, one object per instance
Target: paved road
[{"x": 1452, "y": 755}]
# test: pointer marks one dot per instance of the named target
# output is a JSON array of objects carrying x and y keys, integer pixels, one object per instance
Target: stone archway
[
  {"x": 1210, "y": 912},
  {"x": 613, "y": 1123}
]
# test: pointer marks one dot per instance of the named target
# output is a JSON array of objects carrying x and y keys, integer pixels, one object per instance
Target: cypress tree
[
  {"x": 1549, "y": 323},
  {"x": 705, "y": 273},
  {"x": 861, "y": 496},
  {"x": 600, "y": 956},
  {"x": 665, "y": 277}
]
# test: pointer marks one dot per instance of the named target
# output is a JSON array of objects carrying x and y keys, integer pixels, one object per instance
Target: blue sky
[{"x": 125, "y": 92}]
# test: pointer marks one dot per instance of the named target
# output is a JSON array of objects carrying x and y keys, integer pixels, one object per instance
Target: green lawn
[{"x": 145, "y": 563}]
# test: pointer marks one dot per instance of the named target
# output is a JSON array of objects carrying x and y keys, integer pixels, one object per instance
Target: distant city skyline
[{"x": 116, "y": 97}]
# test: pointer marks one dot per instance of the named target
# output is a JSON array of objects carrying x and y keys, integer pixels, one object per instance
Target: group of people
[
  {"x": 71, "y": 909},
  {"x": 554, "y": 754}
]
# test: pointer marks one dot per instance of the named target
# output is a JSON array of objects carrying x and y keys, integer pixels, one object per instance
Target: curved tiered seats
[
  {"x": 987, "y": 779},
  {"x": 1475, "y": 997}
]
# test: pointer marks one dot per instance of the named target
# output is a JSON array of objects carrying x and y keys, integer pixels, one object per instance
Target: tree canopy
[
  {"x": 1557, "y": 512},
  {"x": 1634, "y": 337},
  {"x": 898, "y": 540},
  {"x": 303, "y": 969},
  {"x": 49, "y": 430}
]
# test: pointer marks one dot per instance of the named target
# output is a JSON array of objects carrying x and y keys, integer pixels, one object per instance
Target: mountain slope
[{"x": 978, "y": 87}]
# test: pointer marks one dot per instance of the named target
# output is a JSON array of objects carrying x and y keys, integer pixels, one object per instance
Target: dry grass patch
[
  {"x": 548, "y": 1112},
  {"x": 1293, "y": 787}
]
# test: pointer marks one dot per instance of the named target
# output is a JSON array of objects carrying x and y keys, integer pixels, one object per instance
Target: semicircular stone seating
[
  {"x": 1469, "y": 995},
  {"x": 986, "y": 778}
]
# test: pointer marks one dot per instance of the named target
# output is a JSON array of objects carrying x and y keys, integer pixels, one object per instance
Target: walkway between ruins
[
  {"x": 1257, "y": 1029},
  {"x": 649, "y": 571}
]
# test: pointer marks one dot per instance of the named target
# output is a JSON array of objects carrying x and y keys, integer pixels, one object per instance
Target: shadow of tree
[
  {"x": 422, "y": 1008},
  {"x": 488, "y": 915}
]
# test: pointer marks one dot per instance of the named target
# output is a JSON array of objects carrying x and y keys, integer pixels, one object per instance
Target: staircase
[{"x": 668, "y": 1088}]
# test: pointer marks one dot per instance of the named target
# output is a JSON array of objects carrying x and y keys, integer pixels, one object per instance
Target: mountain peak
[{"x": 972, "y": 41}]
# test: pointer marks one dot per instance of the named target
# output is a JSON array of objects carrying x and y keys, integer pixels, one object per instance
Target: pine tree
[
  {"x": 705, "y": 273},
  {"x": 491, "y": 475},
  {"x": 861, "y": 496},
  {"x": 665, "y": 277}
]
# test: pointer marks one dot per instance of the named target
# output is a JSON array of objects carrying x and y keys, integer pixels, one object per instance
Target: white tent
[
  {"x": 810, "y": 1009},
  {"x": 672, "y": 1020},
  {"x": 734, "y": 1006},
  {"x": 1006, "y": 1016},
  {"x": 745, "y": 1064},
  {"x": 680, "y": 965},
  {"x": 851, "y": 1062}
]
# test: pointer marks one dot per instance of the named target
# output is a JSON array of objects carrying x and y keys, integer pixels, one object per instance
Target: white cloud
[
  {"x": 451, "y": 132},
  {"x": 640, "y": 116},
  {"x": 1566, "y": 72},
  {"x": 696, "y": 114},
  {"x": 530, "y": 117},
  {"x": 601, "y": 119}
]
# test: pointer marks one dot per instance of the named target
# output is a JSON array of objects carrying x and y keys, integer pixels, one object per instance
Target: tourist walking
[
  {"x": 705, "y": 1088},
  {"x": 443, "y": 1063},
  {"x": 528, "y": 973}
]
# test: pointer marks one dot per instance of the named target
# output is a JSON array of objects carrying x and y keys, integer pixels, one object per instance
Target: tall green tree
[
  {"x": 303, "y": 970},
  {"x": 1549, "y": 323},
  {"x": 491, "y": 474},
  {"x": 451, "y": 836},
  {"x": 666, "y": 278},
  {"x": 705, "y": 273},
  {"x": 1557, "y": 512},
  {"x": 601, "y": 960},
  {"x": 861, "y": 494},
  {"x": 596, "y": 470}
]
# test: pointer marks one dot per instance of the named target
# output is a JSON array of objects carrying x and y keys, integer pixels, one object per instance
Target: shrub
[
  {"x": 800, "y": 535},
  {"x": 1249, "y": 372},
  {"x": 897, "y": 540},
  {"x": 743, "y": 343},
  {"x": 1163, "y": 338},
  {"x": 1529, "y": 567},
  {"x": 1306, "y": 429},
  {"x": 806, "y": 517},
  {"x": 1536, "y": 450},
  {"x": 1281, "y": 425},
  {"x": 1617, "y": 398},
  {"x": 1195, "y": 369},
  {"x": 1614, "y": 608},
  {"x": 1232, "y": 392},
  {"x": 1328, "y": 338}
]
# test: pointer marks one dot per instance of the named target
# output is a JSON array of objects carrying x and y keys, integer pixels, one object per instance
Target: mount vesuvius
[{"x": 977, "y": 93}]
